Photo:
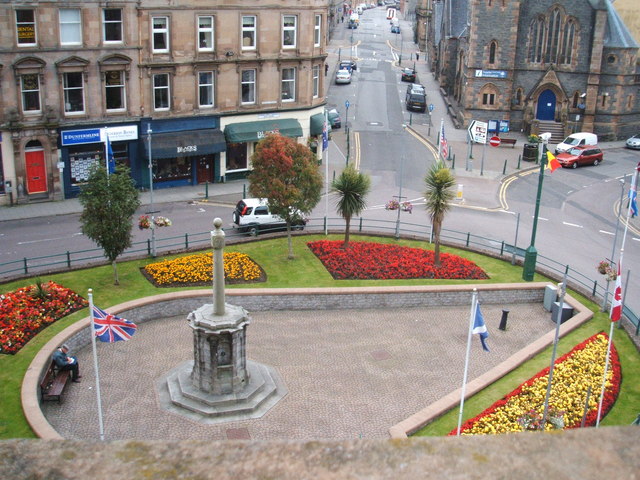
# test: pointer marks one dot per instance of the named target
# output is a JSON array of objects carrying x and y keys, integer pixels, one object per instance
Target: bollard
[
  {"x": 503, "y": 320},
  {"x": 244, "y": 190},
  {"x": 453, "y": 164},
  {"x": 206, "y": 190},
  {"x": 504, "y": 168},
  {"x": 519, "y": 158},
  {"x": 411, "y": 119}
]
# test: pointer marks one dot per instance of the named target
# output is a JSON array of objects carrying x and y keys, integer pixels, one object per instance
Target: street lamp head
[{"x": 545, "y": 137}]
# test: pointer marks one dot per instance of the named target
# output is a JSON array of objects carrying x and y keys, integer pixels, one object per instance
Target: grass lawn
[{"x": 304, "y": 271}]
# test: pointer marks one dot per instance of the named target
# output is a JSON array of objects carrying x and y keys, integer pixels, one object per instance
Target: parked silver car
[
  {"x": 343, "y": 76},
  {"x": 634, "y": 142}
]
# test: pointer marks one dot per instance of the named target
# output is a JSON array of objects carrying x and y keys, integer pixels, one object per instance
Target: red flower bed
[
  {"x": 26, "y": 311},
  {"x": 367, "y": 260},
  {"x": 610, "y": 395}
]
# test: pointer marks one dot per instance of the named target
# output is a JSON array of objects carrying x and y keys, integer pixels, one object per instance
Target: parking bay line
[{"x": 572, "y": 225}]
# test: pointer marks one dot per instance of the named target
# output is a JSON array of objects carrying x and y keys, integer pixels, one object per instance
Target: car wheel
[
  {"x": 253, "y": 231},
  {"x": 299, "y": 226},
  {"x": 595, "y": 162},
  {"x": 574, "y": 165}
]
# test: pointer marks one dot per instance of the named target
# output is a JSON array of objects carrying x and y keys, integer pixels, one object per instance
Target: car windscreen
[{"x": 415, "y": 97}]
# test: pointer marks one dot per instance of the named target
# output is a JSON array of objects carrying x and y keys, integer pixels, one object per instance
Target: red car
[{"x": 585, "y": 155}]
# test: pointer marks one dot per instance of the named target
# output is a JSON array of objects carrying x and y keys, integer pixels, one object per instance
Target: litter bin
[
  {"x": 566, "y": 314},
  {"x": 530, "y": 152}
]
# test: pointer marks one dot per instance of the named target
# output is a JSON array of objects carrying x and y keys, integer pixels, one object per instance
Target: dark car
[
  {"x": 352, "y": 24},
  {"x": 416, "y": 101},
  {"x": 395, "y": 29},
  {"x": 587, "y": 155},
  {"x": 334, "y": 118},
  {"x": 408, "y": 75},
  {"x": 347, "y": 65}
]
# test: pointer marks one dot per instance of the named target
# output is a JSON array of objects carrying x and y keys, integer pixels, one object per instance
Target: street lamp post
[
  {"x": 531, "y": 254},
  {"x": 346, "y": 128},
  {"x": 153, "y": 224}
]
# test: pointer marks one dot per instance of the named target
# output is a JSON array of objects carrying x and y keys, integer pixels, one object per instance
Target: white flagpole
[
  {"x": 106, "y": 148},
  {"x": 634, "y": 182},
  {"x": 472, "y": 315},
  {"x": 326, "y": 174},
  {"x": 95, "y": 365}
]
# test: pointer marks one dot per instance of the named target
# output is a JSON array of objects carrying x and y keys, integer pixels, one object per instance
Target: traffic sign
[
  {"x": 478, "y": 131},
  {"x": 494, "y": 141},
  {"x": 346, "y": 103},
  {"x": 431, "y": 107}
]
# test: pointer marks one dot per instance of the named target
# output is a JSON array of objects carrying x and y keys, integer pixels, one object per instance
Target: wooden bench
[
  {"x": 53, "y": 383},
  {"x": 508, "y": 141}
]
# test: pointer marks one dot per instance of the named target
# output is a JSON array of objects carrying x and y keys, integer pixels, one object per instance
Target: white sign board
[{"x": 478, "y": 131}]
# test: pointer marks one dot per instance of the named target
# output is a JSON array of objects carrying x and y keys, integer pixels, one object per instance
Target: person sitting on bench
[{"x": 65, "y": 362}]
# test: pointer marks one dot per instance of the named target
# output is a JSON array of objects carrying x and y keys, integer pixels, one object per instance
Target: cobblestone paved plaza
[{"x": 349, "y": 373}]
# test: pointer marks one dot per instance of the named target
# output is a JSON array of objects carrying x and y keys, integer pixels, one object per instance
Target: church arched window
[
  {"x": 568, "y": 40},
  {"x": 536, "y": 40},
  {"x": 553, "y": 36},
  {"x": 493, "y": 47}
]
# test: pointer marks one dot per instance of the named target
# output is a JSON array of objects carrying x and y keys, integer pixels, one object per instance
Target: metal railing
[{"x": 196, "y": 241}]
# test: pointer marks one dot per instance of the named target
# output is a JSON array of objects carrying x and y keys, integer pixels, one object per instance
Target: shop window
[
  {"x": 30, "y": 90},
  {"x": 170, "y": 169},
  {"x": 161, "y": 92},
  {"x": 288, "y": 84},
  {"x": 236, "y": 154},
  {"x": 160, "y": 34},
  {"x": 248, "y": 86},
  {"x": 316, "y": 81},
  {"x": 81, "y": 159},
  {"x": 26, "y": 28},
  {"x": 249, "y": 32},
  {"x": 112, "y": 25},
  {"x": 205, "y": 89},
  {"x": 289, "y": 23},
  {"x": 317, "y": 31},
  {"x": 115, "y": 90},
  {"x": 73, "y": 88},
  {"x": 205, "y": 34},
  {"x": 70, "y": 26}
]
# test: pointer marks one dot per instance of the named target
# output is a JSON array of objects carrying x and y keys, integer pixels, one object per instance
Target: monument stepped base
[{"x": 178, "y": 395}]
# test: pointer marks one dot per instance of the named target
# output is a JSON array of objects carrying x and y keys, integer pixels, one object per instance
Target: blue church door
[{"x": 546, "y": 106}]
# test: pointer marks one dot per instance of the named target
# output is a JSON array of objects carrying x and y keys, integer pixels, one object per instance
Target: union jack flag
[{"x": 109, "y": 328}]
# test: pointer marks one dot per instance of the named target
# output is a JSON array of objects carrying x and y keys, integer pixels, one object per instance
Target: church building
[{"x": 557, "y": 66}]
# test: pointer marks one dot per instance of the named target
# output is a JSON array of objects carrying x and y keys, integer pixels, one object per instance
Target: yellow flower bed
[
  {"x": 573, "y": 375},
  {"x": 198, "y": 269}
]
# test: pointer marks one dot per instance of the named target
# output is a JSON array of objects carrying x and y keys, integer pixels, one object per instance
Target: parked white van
[{"x": 577, "y": 140}]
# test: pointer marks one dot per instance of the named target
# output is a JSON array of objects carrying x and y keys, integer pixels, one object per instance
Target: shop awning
[
  {"x": 256, "y": 131},
  {"x": 317, "y": 122},
  {"x": 187, "y": 143}
]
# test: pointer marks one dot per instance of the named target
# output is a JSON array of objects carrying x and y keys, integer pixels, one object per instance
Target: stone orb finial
[{"x": 217, "y": 222}]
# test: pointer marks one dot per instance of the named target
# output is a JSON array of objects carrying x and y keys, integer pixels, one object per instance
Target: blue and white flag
[
  {"x": 111, "y": 162},
  {"x": 634, "y": 205},
  {"x": 325, "y": 135},
  {"x": 480, "y": 328}
]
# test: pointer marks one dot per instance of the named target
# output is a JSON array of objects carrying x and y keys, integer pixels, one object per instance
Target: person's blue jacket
[{"x": 60, "y": 358}]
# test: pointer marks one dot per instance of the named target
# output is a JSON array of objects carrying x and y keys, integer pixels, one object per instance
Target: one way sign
[{"x": 478, "y": 131}]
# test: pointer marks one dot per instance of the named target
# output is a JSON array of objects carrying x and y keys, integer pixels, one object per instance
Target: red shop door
[{"x": 36, "y": 171}]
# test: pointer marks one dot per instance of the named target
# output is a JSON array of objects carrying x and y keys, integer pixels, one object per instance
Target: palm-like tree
[
  {"x": 351, "y": 186},
  {"x": 439, "y": 193}
]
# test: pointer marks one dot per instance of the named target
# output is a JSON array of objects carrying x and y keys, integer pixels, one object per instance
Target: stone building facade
[
  {"x": 549, "y": 65},
  {"x": 189, "y": 87}
]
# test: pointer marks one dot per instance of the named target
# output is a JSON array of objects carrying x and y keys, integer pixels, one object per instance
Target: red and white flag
[
  {"x": 444, "y": 145},
  {"x": 616, "y": 305}
]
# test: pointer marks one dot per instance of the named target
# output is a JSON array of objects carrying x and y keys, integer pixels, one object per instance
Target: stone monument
[{"x": 220, "y": 385}]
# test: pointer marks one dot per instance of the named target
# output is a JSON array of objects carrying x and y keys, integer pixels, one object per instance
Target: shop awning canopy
[
  {"x": 187, "y": 143},
  {"x": 256, "y": 131},
  {"x": 317, "y": 122}
]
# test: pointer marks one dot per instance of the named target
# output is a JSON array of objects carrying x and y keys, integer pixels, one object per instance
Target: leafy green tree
[
  {"x": 286, "y": 174},
  {"x": 439, "y": 194},
  {"x": 351, "y": 186},
  {"x": 109, "y": 202}
]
